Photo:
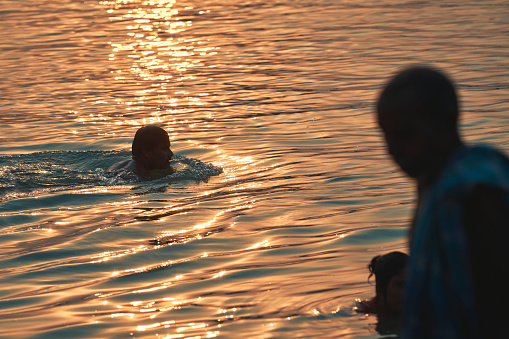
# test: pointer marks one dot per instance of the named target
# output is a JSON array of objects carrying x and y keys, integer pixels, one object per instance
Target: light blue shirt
[{"x": 439, "y": 296}]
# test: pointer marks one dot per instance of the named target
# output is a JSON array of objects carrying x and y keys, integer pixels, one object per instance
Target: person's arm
[{"x": 487, "y": 231}]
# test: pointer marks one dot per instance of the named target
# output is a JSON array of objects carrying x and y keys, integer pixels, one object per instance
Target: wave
[{"x": 43, "y": 172}]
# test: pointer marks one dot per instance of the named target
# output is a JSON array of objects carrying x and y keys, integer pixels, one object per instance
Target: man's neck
[
  {"x": 141, "y": 171},
  {"x": 428, "y": 178}
]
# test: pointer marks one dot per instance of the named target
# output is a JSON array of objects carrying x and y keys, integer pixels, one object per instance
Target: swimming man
[{"x": 151, "y": 154}]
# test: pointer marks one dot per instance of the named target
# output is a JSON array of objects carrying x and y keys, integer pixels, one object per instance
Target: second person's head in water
[
  {"x": 151, "y": 152},
  {"x": 389, "y": 271}
]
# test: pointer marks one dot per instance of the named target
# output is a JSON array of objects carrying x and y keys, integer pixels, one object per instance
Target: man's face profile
[
  {"x": 159, "y": 156},
  {"x": 406, "y": 141},
  {"x": 418, "y": 113}
]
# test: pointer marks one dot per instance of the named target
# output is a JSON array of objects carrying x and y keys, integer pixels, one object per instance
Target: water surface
[{"x": 284, "y": 191}]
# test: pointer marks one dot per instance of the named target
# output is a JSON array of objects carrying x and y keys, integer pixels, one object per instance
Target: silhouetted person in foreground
[
  {"x": 390, "y": 273},
  {"x": 456, "y": 284},
  {"x": 151, "y": 154}
]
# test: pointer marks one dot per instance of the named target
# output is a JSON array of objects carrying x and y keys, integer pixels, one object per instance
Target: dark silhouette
[
  {"x": 456, "y": 282},
  {"x": 151, "y": 154},
  {"x": 389, "y": 271}
]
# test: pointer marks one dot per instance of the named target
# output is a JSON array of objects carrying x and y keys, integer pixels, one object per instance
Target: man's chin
[{"x": 411, "y": 169}]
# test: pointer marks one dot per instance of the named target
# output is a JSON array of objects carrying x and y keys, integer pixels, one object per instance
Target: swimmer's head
[
  {"x": 418, "y": 113},
  {"x": 151, "y": 148},
  {"x": 389, "y": 272}
]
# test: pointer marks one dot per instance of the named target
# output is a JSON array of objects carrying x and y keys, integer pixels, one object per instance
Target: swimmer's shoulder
[{"x": 126, "y": 165}]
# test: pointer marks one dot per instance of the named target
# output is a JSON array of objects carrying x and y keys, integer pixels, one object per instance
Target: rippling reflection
[
  {"x": 154, "y": 63},
  {"x": 273, "y": 239}
]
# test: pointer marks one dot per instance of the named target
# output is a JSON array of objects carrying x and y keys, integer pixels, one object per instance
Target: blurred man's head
[{"x": 418, "y": 113}]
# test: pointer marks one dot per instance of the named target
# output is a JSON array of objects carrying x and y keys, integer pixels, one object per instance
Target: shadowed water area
[{"x": 283, "y": 190}]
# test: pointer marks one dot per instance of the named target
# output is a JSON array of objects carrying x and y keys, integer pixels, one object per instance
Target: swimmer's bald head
[
  {"x": 151, "y": 150},
  {"x": 147, "y": 138}
]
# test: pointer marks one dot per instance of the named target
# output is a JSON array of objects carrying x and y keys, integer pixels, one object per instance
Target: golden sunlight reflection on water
[
  {"x": 279, "y": 94},
  {"x": 156, "y": 62}
]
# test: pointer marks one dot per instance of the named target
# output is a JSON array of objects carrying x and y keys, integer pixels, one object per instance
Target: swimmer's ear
[{"x": 147, "y": 154}]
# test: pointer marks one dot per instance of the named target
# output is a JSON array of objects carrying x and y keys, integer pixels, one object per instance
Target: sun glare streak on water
[{"x": 157, "y": 60}]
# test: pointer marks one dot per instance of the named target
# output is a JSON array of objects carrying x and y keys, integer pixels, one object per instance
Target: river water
[{"x": 283, "y": 192}]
